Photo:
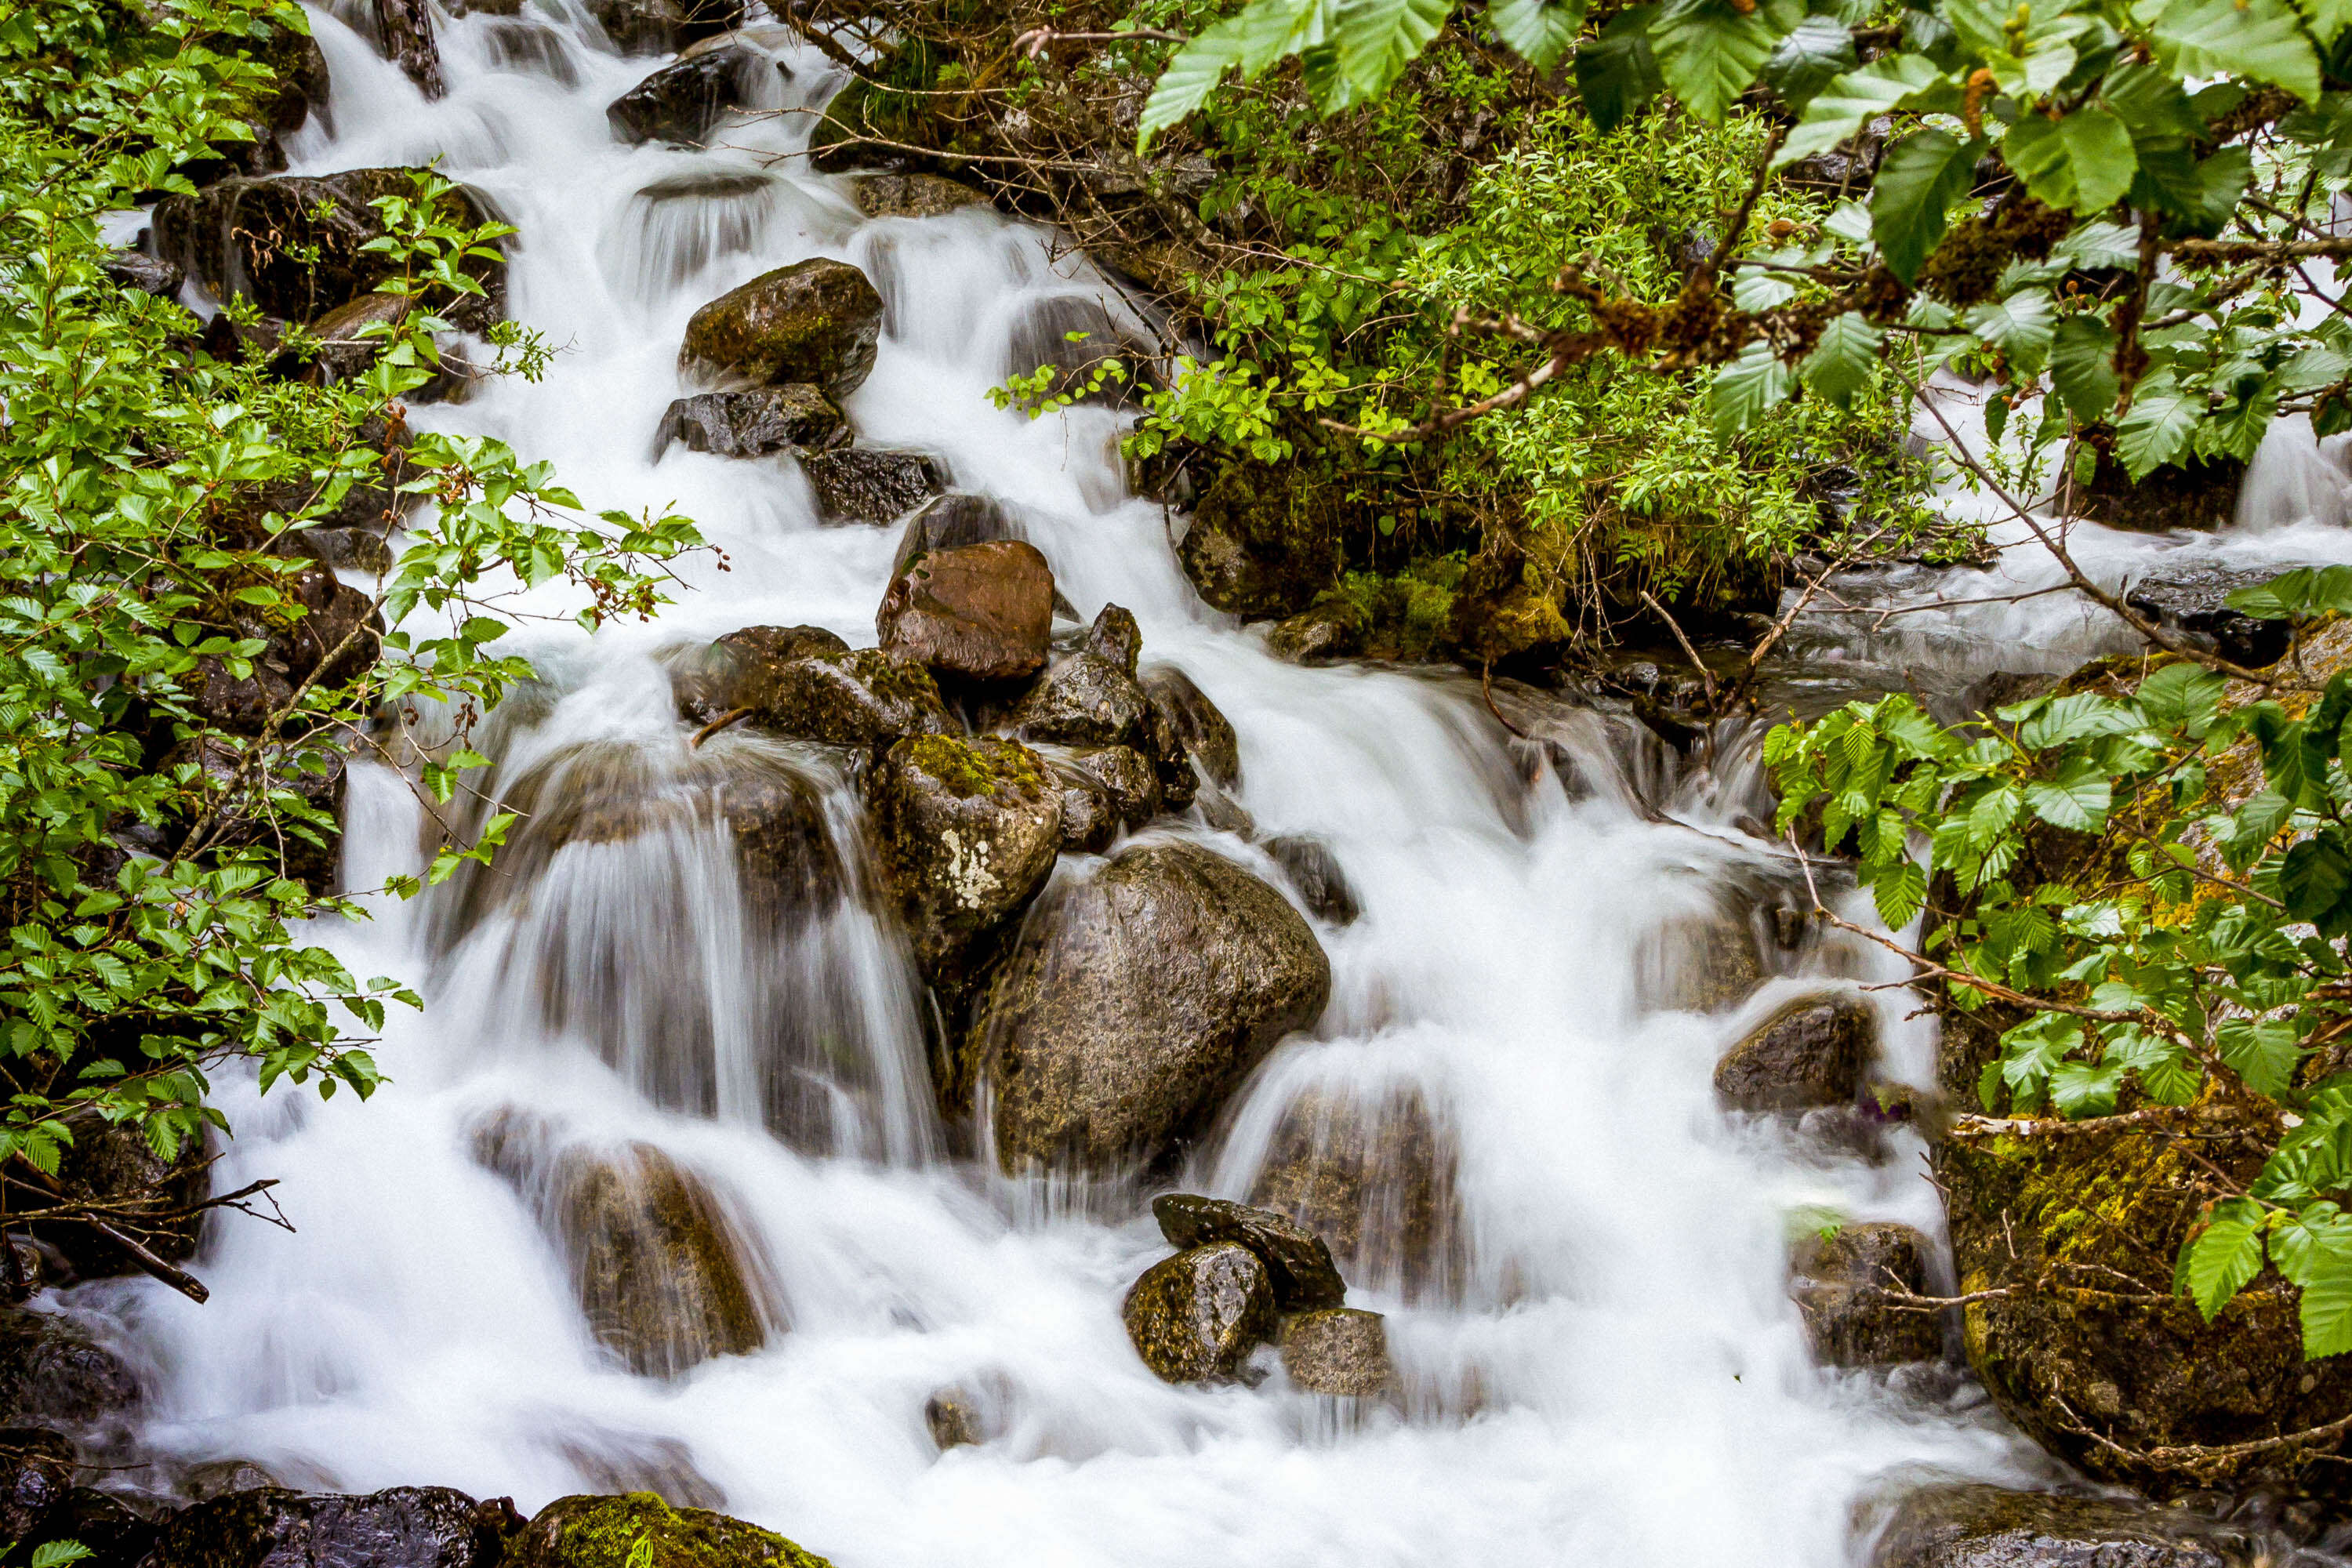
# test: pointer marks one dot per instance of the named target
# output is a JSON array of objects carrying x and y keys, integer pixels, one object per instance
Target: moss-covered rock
[
  {"x": 1324, "y": 633},
  {"x": 1840, "y": 1281},
  {"x": 817, "y": 322},
  {"x": 892, "y": 106},
  {"x": 637, "y": 1530},
  {"x": 913, "y": 195},
  {"x": 1196, "y": 1316},
  {"x": 850, "y": 697},
  {"x": 1086, "y": 699},
  {"x": 1264, "y": 540},
  {"x": 1305, "y": 1279},
  {"x": 965, "y": 833},
  {"x": 1136, "y": 1001}
]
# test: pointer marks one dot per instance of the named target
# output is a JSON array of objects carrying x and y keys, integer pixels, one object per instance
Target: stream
[{"x": 1581, "y": 1258}]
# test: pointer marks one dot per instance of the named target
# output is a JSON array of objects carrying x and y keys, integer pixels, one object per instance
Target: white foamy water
[{"x": 1604, "y": 1368}]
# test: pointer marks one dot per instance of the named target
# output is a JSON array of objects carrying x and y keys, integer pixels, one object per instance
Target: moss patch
[
  {"x": 603, "y": 1531},
  {"x": 976, "y": 768}
]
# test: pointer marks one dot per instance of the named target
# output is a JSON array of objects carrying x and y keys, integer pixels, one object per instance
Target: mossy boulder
[
  {"x": 1840, "y": 1281},
  {"x": 1811, "y": 1052},
  {"x": 1340, "y": 1351},
  {"x": 1196, "y": 1316},
  {"x": 965, "y": 833},
  {"x": 796, "y": 417},
  {"x": 1264, "y": 540},
  {"x": 1374, "y": 1173},
  {"x": 912, "y": 195},
  {"x": 1136, "y": 1001},
  {"x": 887, "y": 108},
  {"x": 1325, "y": 633},
  {"x": 980, "y": 612},
  {"x": 1305, "y": 1279},
  {"x": 856, "y": 696},
  {"x": 862, "y": 484},
  {"x": 815, "y": 321},
  {"x": 269, "y": 1527},
  {"x": 638, "y": 1530},
  {"x": 1974, "y": 1526}
]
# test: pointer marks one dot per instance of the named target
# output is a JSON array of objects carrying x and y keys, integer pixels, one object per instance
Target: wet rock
[
  {"x": 1116, "y": 638},
  {"x": 1196, "y": 1316},
  {"x": 1838, "y": 1279},
  {"x": 817, "y": 322},
  {"x": 864, "y": 697},
  {"x": 913, "y": 195},
  {"x": 1324, "y": 634},
  {"x": 638, "y": 1530},
  {"x": 299, "y": 82},
  {"x": 791, "y": 418},
  {"x": 530, "y": 48},
  {"x": 1085, "y": 700},
  {"x": 1374, "y": 1174},
  {"x": 735, "y": 670},
  {"x": 115, "y": 1163},
  {"x": 657, "y": 26},
  {"x": 51, "y": 1371},
  {"x": 1811, "y": 1052},
  {"x": 1135, "y": 1002},
  {"x": 949, "y": 521},
  {"x": 345, "y": 348},
  {"x": 1311, "y": 868},
  {"x": 250, "y": 810},
  {"x": 655, "y": 1265},
  {"x": 2194, "y": 602},
  {"x": 1340, "y": 1351},
  {"x": 681, "y": 101},
  {"x": 402, "y": 1527},
  {"x": 1080, "y": 338},
  {"x": 2201, "y": 496},
  {"x": 1713, "y": 958},
  {"x": 981, "y": 611},
  {"x": 1103, "y": 789},
  {"x": 1264, "y": 541},
  {"x": 258, "y": 238},
  {"x": 37, "y": 1468},
  {"x": 613, "y": 1461},
  {"x": 145, "y": 274},
  {"x": 859, "y": 484},
  {"x": 785, "y": 862},
  {"x": 1973, "y": 1526},
  {"x": 1191, "y": 739},
  {"x": 339, "y": 548},
  {"x": 219, "y": 1478},
  {"x": 114, "y": 1535},
  {"x": 965, "y": 833},
  {"x": 1299, "y": 1265},
  {"x": 952, "y": 1420}
]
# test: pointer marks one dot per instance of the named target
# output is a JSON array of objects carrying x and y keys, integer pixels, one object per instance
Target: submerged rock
[
  {"x": 681, "y": 101},
  {"x": 37, "y": 1468},
  {"x": 1315, "y": 872},
  {"x": 402, "y": 1527},
  {"x": 981, "y": 611},
  {"x": 637, "y": 1530},
  {"x": 1837, "y": 1282},
  {"x": 1811, "y": 1052},
  {"x": 1135, "y": 1000},
  {"x": 859, "y": 484},
  {"x": 1190, "y": 727},
  {"x": 952, "y": 520},
  {"x": 965, "y": 833},
  {"x": 816, "y": 320},
  {"x": 1374, "y": 1174},
  {"x": 913, "y": 195},
  {"x": 1196, "y": 1316},
  {"x": 792, "y": 418},
  {"x": 51, "y": 1371},
  {"x": 1339, "y": 1350},
  {"x": 1264, "y": 541},
  {"x": 1304, "y": 1277},
  {"x": 1972, "y": 1526}
]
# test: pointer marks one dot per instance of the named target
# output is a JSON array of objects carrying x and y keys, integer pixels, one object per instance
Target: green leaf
[
  {"x": 2082, "y": 367},
  {"x": 1839, "y": 111},
  {"x": 2312, "y": 881},
  {"x": 1541, "y": 30},
  {"x": 2257, "y": 38},
  {"x": 1616, "y": 73},
  {"x": 1814, "y": 53},
  {"x": 2158, "y": 428},
  {"x": 2264, "y": 1052},
  {"x": 1744, "y": 389},
  {"x": 2219, "y": 1261},
  {"x": 1911, "y": 202},
  {"x": 1195, "y": 71},
  {"x": 2327, "y": 18},
  {"x": 1709, "y": 50},
  {"x": 2078, "y": 799},
  {"x": 2326, "y": 1306},
  {"x": 2084, "y": 161},
  {"x": 1376, "y": 40},
  {"x": 2019, "y": 326},
  {"x": 1900, "y": 892},
  {"x": 1843, "y": 358},
  {"x": 57, "y": 1553}
]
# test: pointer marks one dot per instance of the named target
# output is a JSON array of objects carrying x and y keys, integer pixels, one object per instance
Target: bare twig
[
  {"x": 1705, "y": 675},
  {"x": 732, "y": 716}
]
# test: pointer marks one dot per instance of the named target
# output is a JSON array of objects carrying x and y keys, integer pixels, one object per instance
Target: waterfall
[{"x": 1582, "y": 1259}]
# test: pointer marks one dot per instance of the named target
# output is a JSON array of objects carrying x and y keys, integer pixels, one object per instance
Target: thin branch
[{"x": 1705, "y": 674}]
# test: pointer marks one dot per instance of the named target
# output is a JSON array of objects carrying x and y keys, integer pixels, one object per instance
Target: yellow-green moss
[
  {"x": 606, "y": 1532},
  {"x": 971, "y": 769}
]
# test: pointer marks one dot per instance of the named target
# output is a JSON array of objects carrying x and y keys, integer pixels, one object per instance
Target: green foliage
[
  {"x": 2170, "y": 947},
  {"x": 156, "y": 501}
]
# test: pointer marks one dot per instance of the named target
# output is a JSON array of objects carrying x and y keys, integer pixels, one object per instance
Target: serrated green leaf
[
  {"x": 2257, "y": 38},
  {"x": 2077, "y": 799},
  {"x": 1541, "y": 31},
  {"x": 1911, "y": 201},
  {"x": 1816, "y": 51},
  {"x": 1840, "y": 110},
  {"x": 2217, "y": 1264},
  {"x": 1843, "y": 358},
  {"x": 1900, "y": 892},
  {"x": 2019, "y": 326},
  {"x": 1744, "y": 389},
  {"x": 2158, "y": 428},
  {"x": 1709, "y": 50},
  {"x": 1193, "y": 75},
  {"x": 1376, "y": 40},
  {"x": 2084, "y": 163},
  {"x": 2082, "y": 367},
  {"x": 2264, "y": 1052}
]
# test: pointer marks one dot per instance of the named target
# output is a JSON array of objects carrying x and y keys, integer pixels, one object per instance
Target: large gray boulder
[
  {"x": 965, "y": 834},
  {"x": 1196, "y": 1316},
  {"x": 817, "y": 322},
  {"x": 1135, "y": 1001}
]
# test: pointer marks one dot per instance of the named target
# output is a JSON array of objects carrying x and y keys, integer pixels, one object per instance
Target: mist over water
[{"x": 1600, "y": 1362}]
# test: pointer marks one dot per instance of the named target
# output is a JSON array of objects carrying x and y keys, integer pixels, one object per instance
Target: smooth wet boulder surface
[
  {"x": 1103, "y": 789},
  {"x": 791, "y": 418},
  {"x": 1813, "y": 1052},
  {"x": 952, "y": 519},
  {"x": 637, "y": 1530},
  {"x": 1310, "y": 867},
  {"x": 983, "y": 612},
  {"x": 817, "y": 322},
  {"x": 1190, "y": 726},
  {"x": 1338, "y": 1349},
  {"x": 1135, "y": 1000},
  {"x": 1374, "y": 1174},
  {"x": 1085, "y": 700},
  {"x": 681, "y": 101},
  {"x": 1971, "y": 1526},
  {"x": 1303, "y": 1278},
  {"x": 965, "y": 834},
  {"x": 402, "y": 1527},
  {"x": 1840, "y": 1281},
  {"x": 37, "y": 1468},
  {"x": 51, "y": 1371},
  {"x": 913, "y": 195},
  {"x": 863, "y": 484},
  {"x": 1196, "y": 1316}
]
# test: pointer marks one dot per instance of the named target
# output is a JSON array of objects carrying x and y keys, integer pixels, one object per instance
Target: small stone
[
  {"x": 1323, "y": 633},
  {"x": 816, "y": 320},
  {"x": 953, "y": 1421},
  {"x": 1085, "y": 701},
  {"x": 1188, "y": 731},
  {"x": 981, "y": 611},
  {"x": 1338, "y": 1349},
  {"x": 1115, "y": 637},
  {"x": 1311, "y": 868},
  {"x": 1196, "y": 1316},
  {"x": 1304, "y": 1277},
  {"x": 791, "y": 418},
  {"x": 858, "y": 484},
  {"x": 1811, "y": 1052},
  {"x": 913, "y": 195}
]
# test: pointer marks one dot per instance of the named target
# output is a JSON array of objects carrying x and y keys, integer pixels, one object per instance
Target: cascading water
[{"x": 646, "y": 1009}]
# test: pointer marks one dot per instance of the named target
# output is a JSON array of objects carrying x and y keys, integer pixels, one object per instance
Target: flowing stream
[{"x": 1601, "y": 1365}]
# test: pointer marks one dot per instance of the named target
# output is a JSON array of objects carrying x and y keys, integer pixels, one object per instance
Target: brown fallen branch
[
  {"x": 732, "y": 716},
  {"x": 1706, "y": 676},
  {"x": 1969, "y": 1125}
]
